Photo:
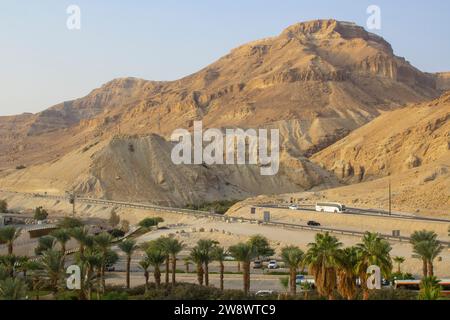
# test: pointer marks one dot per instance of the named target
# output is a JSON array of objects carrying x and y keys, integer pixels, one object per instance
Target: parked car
[
  {"x": 273, "y": 264},
  {"x": 293, "y": 207},
  {"x": 110, "y": 268},
  {"x": 313, "y": 224},
  {"x": 257, "y": 264},
  {"x": 265, "y": 293}
]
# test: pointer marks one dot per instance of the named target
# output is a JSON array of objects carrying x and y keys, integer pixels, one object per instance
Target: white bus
[{"x": 330, "y": 207}]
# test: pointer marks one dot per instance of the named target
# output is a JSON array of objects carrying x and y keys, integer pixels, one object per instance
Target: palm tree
[
  {"x": 155, "y": 257},
  {"x": 206, "y": 247},
  {"x": 91, "y": 260},
  {"x": 261, "y": 246},
  {"x": 219, "y": 254},
  {"x": 8, "y": 235},
  {"x": 399, "y": 261},
  {"x": 128, "y": 247},
  {"x": 321, "y": 258},
  {"x": 13, "y": 289},
  {"x": 163, "y": 244},
  {"x": 81, "y": 235},
  {"x": 428, "y": 248},
  {"x": 292, "y": 258},
  {"x": 245, "y": 253},
  {"x": 45, "y": 243},
  {"x": 196, "y": 256},
  {"x": 187, "y": 263},
  {"x": 373, "y": 251},
  {"x": 52, "y": 264},
  {"x": 430, "y": 289},
  {"x": 62, "y": 236},
  {"x": 347, "y": 272},
  {"x": 173, "y": 247},
  {"x": 144, "y": 264},
  {"x": 103, "y": 242}
]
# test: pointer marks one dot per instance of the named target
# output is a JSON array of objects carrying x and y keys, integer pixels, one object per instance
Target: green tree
[
  {"x": 206, "y": 247},
  {"x": 399, "y": 261},
  {"x": 91, "y": 260},
  {"x": 173, "y": 247},
  {"x": 430, "y": 289},
  {"x": 13, "y": 289},
  {"x": 70, "y": 223},
  {"x": 347, "y": 272},
  {"x": 114, "y": 219},
  {"x": 81, "y": 235},
  {"x": 45, "y": 243},
  {"x": 3, "y": 206},
  {"x": 128, "y": 247},
  {"x": 8, "y": 235},
  {"x": 428, "y": 248},
  {"x": 261, "y": 246},
  {"x": 155, "y": 257},
  {"x": 373, "y": 251},
  {"x": 151, "y": 222},
  {"x": 40, "y": 214},
  {"x": 219, "y": 254},
  {"x": 292, "y": 257},
  {"x": 144, "y": 264},
  {"x": 53, "y": 266},
  {"x": 103, "y": 241},
  {"x": 245, "y": 253},
  {"x": 196, "y": 256},
  {"x": 62, "y": 236},
  {"x": 321, "y": 259}
]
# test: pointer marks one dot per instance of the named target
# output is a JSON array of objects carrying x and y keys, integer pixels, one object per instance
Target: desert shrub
[
  {"x": 114, "y": 295},
  {"x": 40, "y": 214},
  {"x": 150, "y": 222},
  {"x": 219, "y": 207},
  {"x": 70, "y": 223},
  {"x": 3, "y": 206},
  {"x": 117, "y": 233}
]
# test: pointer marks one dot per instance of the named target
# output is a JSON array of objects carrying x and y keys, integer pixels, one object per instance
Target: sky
[{"x": 43, "y": 63}]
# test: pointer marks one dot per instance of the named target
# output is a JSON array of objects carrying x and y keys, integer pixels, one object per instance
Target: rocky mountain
[
  {"x": 316, "y": 82},
  {"x": 396, "y": 142}
]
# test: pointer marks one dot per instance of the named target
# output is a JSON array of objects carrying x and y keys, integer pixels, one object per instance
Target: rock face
[
  {"x": 395, "y": 142},
  {"x": 316, "y": 82},
  {"x": 443, "y": 81}
]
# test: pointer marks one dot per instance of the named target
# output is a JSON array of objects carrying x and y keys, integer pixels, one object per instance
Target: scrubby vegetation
[{"x": 219, "y": 207}]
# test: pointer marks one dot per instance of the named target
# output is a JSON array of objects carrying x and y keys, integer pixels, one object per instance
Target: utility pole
[
  {"x": 72, "y": 198},
  {"x": 390, "y": 197}
]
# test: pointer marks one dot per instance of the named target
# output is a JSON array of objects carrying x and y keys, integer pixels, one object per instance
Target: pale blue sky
[{"x": 43, "y": 63}]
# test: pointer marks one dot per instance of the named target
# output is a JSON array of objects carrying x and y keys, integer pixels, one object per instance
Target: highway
[{"x": 204, "y": 214}]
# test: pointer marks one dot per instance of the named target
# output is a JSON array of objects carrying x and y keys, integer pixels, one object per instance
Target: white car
[
  {"x": 273, "y": 264},
  {"x": 293, "y": 207},
  {"x": 265, "y": 293}
]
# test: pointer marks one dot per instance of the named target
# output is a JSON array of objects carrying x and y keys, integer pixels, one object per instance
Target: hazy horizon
[{"x": 44, "y": 63}]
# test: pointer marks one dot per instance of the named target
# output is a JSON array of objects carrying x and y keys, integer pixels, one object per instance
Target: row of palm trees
[{"x": 334, "y": 267}]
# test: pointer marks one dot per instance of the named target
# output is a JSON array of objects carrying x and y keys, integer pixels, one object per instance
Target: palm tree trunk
[
  {"x": 146, "y": 275},
  {"x": 424, "y": 268},
  {"x": 293, "y": 279},
  {"x": 128, "y": 271},
  {"x": 222, "y": 271},
  {"x": 246, "y": 267},
  {"x": 102, "y": 275},
  {"x": 239, "y": 266},
  {"x": 430, "y": 269},
  {"x": 206, "y": 275},
  {"x": 157, "y": 275},
  {"x": 167, "y": 270},
  {"x": 174, "y": 269},
  {"x": 200, "y": 273},
  {"x": 10, "y": 248}
]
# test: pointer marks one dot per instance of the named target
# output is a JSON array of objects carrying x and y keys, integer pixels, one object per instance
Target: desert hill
[{"x": 316, "y": 82}]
